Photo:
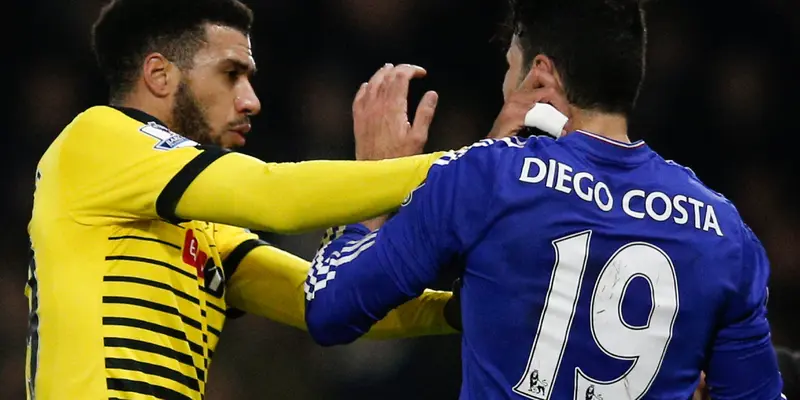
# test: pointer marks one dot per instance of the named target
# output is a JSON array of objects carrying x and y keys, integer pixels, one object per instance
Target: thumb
[{"x": 424, "y": 116}]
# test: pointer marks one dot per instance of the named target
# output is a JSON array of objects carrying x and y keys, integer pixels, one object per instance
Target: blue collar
[{"x": 609, "y": 150}]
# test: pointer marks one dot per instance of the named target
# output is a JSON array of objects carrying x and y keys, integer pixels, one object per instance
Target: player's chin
[{"x": 232, "y": 140}]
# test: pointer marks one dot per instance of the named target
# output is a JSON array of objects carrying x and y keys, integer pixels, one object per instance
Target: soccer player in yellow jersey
[{"x": 138, "y": 232}]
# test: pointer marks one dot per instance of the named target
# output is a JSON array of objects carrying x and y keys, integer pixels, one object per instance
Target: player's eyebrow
[{"x": 242, "y": 67}]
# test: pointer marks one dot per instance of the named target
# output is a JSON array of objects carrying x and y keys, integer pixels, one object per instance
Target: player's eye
[{"x": 233, "y": 75}]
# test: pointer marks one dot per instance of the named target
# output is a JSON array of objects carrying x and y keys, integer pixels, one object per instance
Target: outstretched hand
[{"x": 380, "y": 115}]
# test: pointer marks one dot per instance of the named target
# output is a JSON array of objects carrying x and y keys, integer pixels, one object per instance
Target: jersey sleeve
[
  {"x": 743, "y": 363},
  {"x": 268, "y": 282},
  {"x": 117, "y": 169},
  {"x": 113, "y": 168},
  {"x": 288, "y": 198},
  {"x": 233, "y": 243},
  {"x": 358, "y": 276}
]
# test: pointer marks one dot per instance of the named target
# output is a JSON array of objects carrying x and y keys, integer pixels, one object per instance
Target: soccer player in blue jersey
[{"x": 593, "y": 268}]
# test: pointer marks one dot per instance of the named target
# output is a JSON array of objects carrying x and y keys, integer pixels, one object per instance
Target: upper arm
[
  {"x": 359, "y": 276},
  {"x": 743, "y": 364},
  {"x": 116, "y": 168},
  {"x": 437, "y": 221}
]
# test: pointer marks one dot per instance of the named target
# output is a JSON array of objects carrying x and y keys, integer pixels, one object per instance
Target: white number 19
[{"x": 646, "y": 345}]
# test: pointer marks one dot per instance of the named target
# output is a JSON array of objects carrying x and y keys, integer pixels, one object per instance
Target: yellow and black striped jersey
[{"x": 128, "y": 286}]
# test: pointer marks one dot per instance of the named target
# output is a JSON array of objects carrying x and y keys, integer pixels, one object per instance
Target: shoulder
[
  {"x": 741, "y": 237},
  {"x": 105, "y": 128},
  {"x": 485, "y": 163},
  {"x": 474, "y": 165},
  {"x": 99, "y": 120},
  {"x": 474, "y": 173},
  {"x": 484, "y": 154},
  {"x": 686, "y": 180}
]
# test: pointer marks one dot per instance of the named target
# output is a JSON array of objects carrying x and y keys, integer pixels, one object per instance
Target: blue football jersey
[{"x": 593, "y": 270}]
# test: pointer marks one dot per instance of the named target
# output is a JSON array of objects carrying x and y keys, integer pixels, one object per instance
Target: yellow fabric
[
  {"x": 269, "y": 282},
  {"x": 295, "y": 197},
  {"x": 125, "y": 302}
]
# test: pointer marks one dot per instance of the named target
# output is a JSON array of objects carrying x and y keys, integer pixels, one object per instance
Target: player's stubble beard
[{"x": 188, "y": 116}]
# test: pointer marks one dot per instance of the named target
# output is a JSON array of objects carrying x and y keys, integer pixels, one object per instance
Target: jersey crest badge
[{"x": 410, "y": 196}]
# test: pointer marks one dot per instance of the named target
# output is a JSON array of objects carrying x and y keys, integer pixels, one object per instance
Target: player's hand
[
  {"x": 380, "y": 115},
  {"x": 375, "y": 223},
  {"x": 538, "y": 87}
]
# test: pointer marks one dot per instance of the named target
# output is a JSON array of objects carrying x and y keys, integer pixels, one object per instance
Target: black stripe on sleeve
[
  {"x": 168, "y": 199},
  {"x": 231, "y": 263},
  {"x": 127, "y": 385}
]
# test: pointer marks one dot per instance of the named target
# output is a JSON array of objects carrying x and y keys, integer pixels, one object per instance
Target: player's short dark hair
[
  {"x": 127, "y": 30},
  {"x": 597, "y": 46}
]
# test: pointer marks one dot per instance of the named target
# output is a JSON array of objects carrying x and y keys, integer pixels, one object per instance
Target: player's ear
[
  {"x": 543, "y": 63},
  {"x": 546, "y": 64},
  {"x": 160, "y": 75}
]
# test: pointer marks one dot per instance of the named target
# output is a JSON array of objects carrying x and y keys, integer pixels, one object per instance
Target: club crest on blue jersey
[
  {"x": 410, "y": 196},
  {"x": 167, "y": 140}
]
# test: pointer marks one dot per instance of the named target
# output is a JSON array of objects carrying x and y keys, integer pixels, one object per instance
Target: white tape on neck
[{"x": 546, "y": 118}]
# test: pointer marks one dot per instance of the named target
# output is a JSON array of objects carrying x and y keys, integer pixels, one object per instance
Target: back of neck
[
  {"x": 156, "y": 108},
  {"x": 612, "y": 126}
]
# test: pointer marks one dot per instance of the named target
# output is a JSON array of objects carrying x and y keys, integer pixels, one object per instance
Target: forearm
[
  {"x": 346, "y": 308},
  {"x": 421, "y": 316},
  {"x": 269, "y": 282},
  {"x": 295, "y": 197},
  {"x": 350, "y": 288}
]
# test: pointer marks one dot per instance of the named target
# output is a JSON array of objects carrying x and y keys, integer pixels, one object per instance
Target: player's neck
[
  {"x": 612, "y": 126},
  {"x": 155, "y": 109}
]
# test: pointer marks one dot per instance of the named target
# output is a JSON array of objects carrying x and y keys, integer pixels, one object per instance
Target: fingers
[
  {"x": 370, "y": 88},
  {"x": 359, "y": 96},
  {"x": 549, "y": 95},
  {"x": 380, "y": 114},
  {"x": 539, "y": 86},
  {"x": 376, "y": 83},
  {"x": 537, "y": 78},
  {"x": 424, "y": 116},
  {"x": 531, "y": 80},
  {"x": 541, "y": 95},
  {"x": 400, "y": 79},
  {"x": 390, "y": 81}
]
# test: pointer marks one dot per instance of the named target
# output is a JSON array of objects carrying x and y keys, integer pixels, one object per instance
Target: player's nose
[{"x": 247, "y": 101}]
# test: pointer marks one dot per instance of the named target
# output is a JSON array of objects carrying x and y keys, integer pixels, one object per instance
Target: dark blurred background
[{"x": 720, "y": 95}]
